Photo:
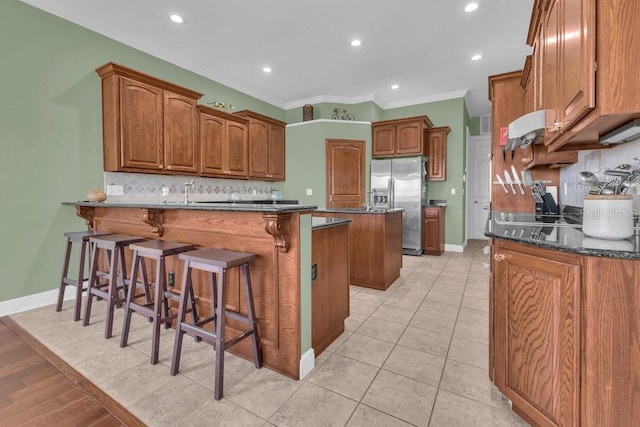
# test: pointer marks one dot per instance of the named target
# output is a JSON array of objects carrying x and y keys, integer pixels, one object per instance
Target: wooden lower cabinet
[
  {"x": 564, "y": 339},
  {"x": 433, "y": 231},
  {"x": 330, "y": 289},
  {"x": 375, "y": 246}
]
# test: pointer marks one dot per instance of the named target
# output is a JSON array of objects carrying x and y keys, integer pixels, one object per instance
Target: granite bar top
[
  {"x": 202, "y": 206},
  {"x": 324, "y": 222},
  {"x": 376, "y": 211},
  {"x": 560, "y": 232}
]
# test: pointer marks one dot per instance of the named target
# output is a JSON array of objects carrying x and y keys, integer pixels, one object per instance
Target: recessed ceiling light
[
  {"x": 476, "y": 57},
  {"x": 471, "y": 7},
  {"x": 394, "y": 86},
  {"x": 356, "y": 43},
  {"x": 177, "y": 18},
  {"x": 267, "y": 69}
]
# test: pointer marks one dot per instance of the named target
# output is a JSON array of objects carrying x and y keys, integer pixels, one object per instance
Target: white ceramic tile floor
[{"x": 415, "y": 354}]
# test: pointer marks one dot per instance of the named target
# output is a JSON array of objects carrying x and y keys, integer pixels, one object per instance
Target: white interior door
[{"x": 479, "y": 185}]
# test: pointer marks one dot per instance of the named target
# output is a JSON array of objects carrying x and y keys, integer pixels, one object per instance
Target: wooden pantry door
[{"x": 345, "y": 172}]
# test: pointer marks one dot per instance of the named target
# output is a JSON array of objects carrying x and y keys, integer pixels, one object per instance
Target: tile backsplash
[
  {"x": 596, "y": 161},
  {"x": 148, "y": 188}
]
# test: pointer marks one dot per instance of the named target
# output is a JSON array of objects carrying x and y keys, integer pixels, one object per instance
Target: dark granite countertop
[
  {"x": 376, "y": 211},
  {"x": 560, "y": 232},
  {"x": 202, "y": 206},
  {"x": 324, "y": 222}
]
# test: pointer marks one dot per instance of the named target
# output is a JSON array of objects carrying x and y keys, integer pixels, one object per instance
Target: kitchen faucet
[{"x": 188, "y": 184}]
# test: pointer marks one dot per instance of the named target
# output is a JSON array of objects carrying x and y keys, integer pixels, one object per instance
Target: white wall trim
[
  {"x": 453, "y": 248},
  {"x": 307, "y": 363},
  {"x": 30, "y": 302},
  {"x": 427, "y": 99},
  {"x": 350, "y": 122}
]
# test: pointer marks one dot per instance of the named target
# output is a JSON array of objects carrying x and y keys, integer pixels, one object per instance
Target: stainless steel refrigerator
[{"x": 402, "y": 183}]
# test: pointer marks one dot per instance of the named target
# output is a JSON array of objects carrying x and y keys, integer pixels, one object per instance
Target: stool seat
[
  {"x": 216, "y": 262},
  {"x": 157, "y": 308},
  {"x": 218, "y": 257},
  {"x": 114, "y": 244},
  {"x": 81, "y": 237}
]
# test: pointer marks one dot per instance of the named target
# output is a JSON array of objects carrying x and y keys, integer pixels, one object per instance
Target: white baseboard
[
  {"x": 307, "y": 363},
  {"x": 453, "y": 248},
  {"x": 30, "y": 302}
]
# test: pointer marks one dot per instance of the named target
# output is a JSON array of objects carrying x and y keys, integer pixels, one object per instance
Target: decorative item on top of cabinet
[
  {"x": 437, "y": 153},
  {"x": 583, "y": 45},
  {"x": 223, "y": 144},
  {"x": 148, "y": 125},
  {"x": 401, "y": 137},
  {"x": 266, "y": 146},
  {"x": 433, "y": 241}
]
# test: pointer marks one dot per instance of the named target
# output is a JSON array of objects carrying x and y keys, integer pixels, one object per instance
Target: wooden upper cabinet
[
  {"x": 536, "y": 333},
  {"x": 139, "y": 139},
  {"x": 437, "y": 153},
  {"x": 266, "y": 146},
  {"x": 149, "y": 125},
  {"x": 586, "y": 92},
  {"x": 180, "y": 129},
  {"x": 223, "y": 144},
  {"x": 402, "y": 137}
]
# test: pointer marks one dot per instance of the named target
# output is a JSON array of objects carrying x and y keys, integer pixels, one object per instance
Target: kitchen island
[
  {"x": 375, "y": 244},
  {"x": 280, "y": 236},
  {"x": 564, "y": 322}
]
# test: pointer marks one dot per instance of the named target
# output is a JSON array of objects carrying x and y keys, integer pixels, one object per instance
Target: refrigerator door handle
[{"x": 391, "y": 193}]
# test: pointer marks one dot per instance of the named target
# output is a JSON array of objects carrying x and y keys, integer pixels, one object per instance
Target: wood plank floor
[{"x": 39, "y": 388}]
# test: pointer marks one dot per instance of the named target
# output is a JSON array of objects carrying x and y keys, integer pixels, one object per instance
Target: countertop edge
[{"x": 230, "y": 207}]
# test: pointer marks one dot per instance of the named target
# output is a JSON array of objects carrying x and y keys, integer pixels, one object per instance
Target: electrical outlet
[
  {"x": 309, "y": 192},
  {"x": 115, "y": 190},
  {"x": 165, "y": 191}
]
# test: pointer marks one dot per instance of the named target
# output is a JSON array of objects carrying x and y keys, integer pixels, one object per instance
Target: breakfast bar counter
[{"x": 279, "y": 235}]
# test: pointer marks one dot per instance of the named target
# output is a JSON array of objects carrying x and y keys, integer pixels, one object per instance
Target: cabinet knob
[{"x": 499, "y": 257}]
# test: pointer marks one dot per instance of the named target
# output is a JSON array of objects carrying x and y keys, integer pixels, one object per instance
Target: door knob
[{"x": 499, "y": 257}]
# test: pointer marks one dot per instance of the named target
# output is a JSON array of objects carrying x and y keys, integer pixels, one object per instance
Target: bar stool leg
[
  {"x": 65, "y": 271},
  {"x": 186, "y": 290},
  {"x": 93, "y": 281},
  {"x": 135, "y": 264},
  {"x": 113, "y": 299},
  {"x": 80, "y": 281},
  {"x": 219, "y": 340},
  {"x": 255, "y": 339},
  {"x": 159, "y": 296}
]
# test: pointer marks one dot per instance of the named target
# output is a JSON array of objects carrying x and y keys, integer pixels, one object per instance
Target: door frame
[{"x": 470, "y": 172}]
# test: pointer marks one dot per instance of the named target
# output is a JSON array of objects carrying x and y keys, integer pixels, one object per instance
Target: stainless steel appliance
[{"x": 402, "y": 183}]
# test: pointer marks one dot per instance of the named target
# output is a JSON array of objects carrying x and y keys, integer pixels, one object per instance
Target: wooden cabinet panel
[
  {"x": 433, "y": 233},
  {"x": 266, "y": 146},
  {"x": 180, "y": 127},
  {"x": 141, "y": 124},
  {"x": 345, "y": 173},
  {"x": 401, "y": 137},
  {"x": 330, "y": 289},
  {"x": 437, "y": 153},
  {"x": 223, "y": 144},
  {"x": 537, "y": 333}
]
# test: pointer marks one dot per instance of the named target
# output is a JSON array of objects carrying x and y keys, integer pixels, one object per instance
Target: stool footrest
[
  {"x": 173, "y": 296},
  {"x": 239, "y": 317},
  {"x": 237, "y": 338},
  {"x": 208, "y": 337},
  {"x": 71, "y": 282}
]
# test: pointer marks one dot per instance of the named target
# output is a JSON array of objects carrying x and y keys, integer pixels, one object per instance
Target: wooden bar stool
[
  {"x": 158, "y": 309},
  {"x": 216, "y": 261},
  {"x": 116, "y": 279},
  {"x": 81, "y": 237}
]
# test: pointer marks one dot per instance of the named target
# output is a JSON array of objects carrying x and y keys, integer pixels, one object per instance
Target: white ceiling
[{"x": 424, "y": 46}]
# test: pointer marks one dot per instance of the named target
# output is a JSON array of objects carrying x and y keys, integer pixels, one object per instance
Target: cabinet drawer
[{"x": 431, "y": 213}]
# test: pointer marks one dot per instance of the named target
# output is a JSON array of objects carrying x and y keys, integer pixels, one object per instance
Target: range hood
[{"x": 526, "y": 129}]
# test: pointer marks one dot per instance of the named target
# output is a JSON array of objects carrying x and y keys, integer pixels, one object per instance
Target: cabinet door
[
  {"x": 276, "y": 153},
  {"x": 437, "y": 154},
  {"x": 409, "y": 138},
  {"x": 576, "y": 93},
  {"x": 180, "y": 125},
  {"x": 551, "y": 71},
  {"x": 384, "y": 138},
  {"x": 212, "y": 139},
  {"x": 141, "y": 144},
  {"x": 258, "y": 149},
  {"x": 537, "y": 334},
  {"x": 237, "y": 154},
  {"x": 431, "y": 241}
]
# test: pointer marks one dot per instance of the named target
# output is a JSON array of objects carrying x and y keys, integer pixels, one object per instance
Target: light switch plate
[
  {"x": 453, "y": 191},
  {"x": 309, "y": 192}
]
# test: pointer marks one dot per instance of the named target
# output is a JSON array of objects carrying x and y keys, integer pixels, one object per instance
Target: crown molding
[
  {"x": 350, "y": 122},
  {"x": 463, "y": 93}
]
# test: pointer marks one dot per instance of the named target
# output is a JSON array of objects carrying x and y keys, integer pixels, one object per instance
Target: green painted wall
[
  {"x": 474, "y": 126},
  {"x": 364, "y": 111},
  {"x": 305, "y": 156},
  {"x": 51, "y": 139}
]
